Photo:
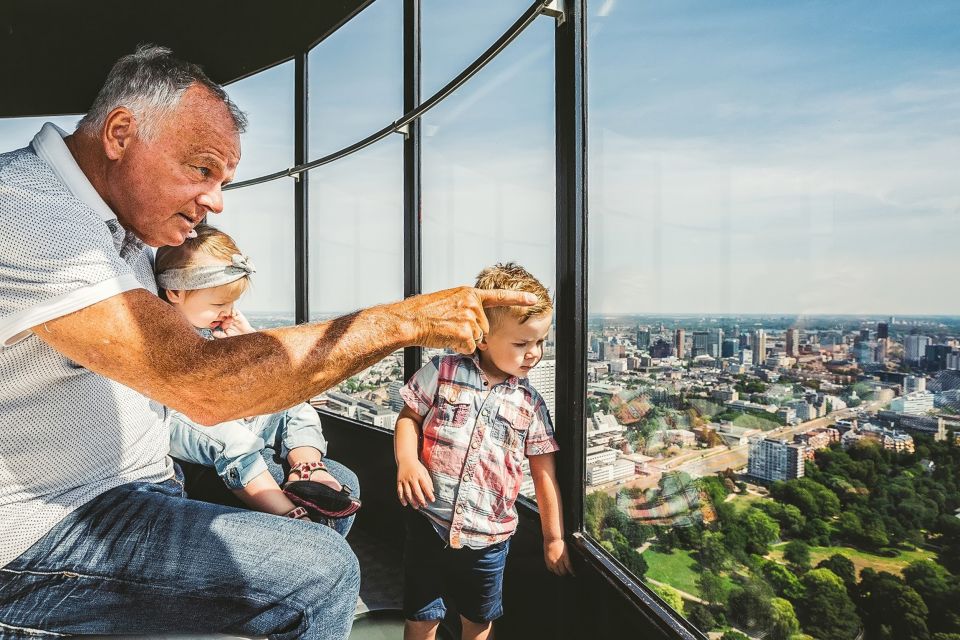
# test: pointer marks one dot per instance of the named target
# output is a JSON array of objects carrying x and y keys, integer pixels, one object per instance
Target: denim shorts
[{"x": 435, "y": 574}]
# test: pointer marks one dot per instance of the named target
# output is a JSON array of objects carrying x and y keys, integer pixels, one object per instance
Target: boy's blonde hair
[
  {"x": 210, "y": 241},
  {"x": 513, "y": 277}
]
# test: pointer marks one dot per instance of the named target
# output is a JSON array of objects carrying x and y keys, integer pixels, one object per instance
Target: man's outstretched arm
[{"x": 140, "y": 341}]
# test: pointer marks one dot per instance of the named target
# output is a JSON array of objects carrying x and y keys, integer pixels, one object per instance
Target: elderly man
[{"x": 95, "y": 534}]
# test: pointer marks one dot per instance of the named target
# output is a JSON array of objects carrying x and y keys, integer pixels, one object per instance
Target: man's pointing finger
[{"x": 505, "y": 298}]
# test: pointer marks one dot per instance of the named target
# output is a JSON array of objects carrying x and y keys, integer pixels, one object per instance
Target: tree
[
  {"x": 749, "y": 605},
  {"x": 826, "y": 611},
  {"x": 712, "y": 588},
  {"x": 761, "y": 530},
  {"x": 843, "y": 567},
  {"x": 713, "y": 554},
  {"x": 783, "y": 620},
  {"x": 891, "y": 608},
  {"x": 797, "y": 553},
  {"x": 734, "y": 635},
  {"x": 940, "y": 592},
  {"x": 700, "y": 616},
  {"x": 669, "y": 595},
  {"x": 784, "y": 583}
]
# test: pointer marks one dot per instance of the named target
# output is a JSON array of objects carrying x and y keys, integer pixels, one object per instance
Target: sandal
[{"x": 317, "y": 498}]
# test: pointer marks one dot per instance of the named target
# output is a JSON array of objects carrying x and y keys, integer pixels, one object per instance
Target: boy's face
[
  {"x": 514, "y": 348},
  {"x": 205, "y": 308}
]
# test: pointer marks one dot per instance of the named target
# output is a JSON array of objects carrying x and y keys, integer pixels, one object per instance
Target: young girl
[{"x": 203, "y": 278}]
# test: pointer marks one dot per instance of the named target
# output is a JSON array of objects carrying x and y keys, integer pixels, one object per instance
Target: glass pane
[
  {"x": 260, "y": 220},
  {"x": 488, "y": 160},
  {"x": 356, "y": 204},
  {"x": 267, "y": 99},
  {"x": 356, "y": 261},
  {"x": 356, "y": 78},
  {"x": 757, "y": 312},
  {"x": 454, "y": 35},
  {"x": 16, "y": 133}
]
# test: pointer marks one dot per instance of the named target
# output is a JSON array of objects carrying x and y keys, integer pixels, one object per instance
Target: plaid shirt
[{"x": 473, "y": 444}]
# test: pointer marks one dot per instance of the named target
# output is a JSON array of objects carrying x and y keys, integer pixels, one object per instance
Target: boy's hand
[
  {"x": 414, "y": 486},
  {"x": 556, "y": 557}
]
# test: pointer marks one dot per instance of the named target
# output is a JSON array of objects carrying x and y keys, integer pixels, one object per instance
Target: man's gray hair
[{"x": 150, "y": 82}]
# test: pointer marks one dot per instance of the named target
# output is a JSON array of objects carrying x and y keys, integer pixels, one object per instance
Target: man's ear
[
  {"x": 176, "y": 296},
  {"x": 118, "y": 131}
]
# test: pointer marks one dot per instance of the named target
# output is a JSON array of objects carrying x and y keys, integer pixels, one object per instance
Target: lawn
[
  {"x": 861, "y": 559},
  {"x": 677, "y": 568},
  {"x": 742, "y": 501}
]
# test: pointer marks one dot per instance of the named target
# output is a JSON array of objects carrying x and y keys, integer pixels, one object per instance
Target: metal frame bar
[
  {"x": 570, "y": 69},
  {"x": 301, "y": 240},
  {"x": 412, "y": 280},
  {"x": 502, "y": 42}
]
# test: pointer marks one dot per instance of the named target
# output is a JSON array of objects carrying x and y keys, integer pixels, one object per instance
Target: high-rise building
[
  {"x": 643, "y": 339},
  {"x": 715, "y": 344},
  {"x": 865, "y": 335},
  {"x": 680, "y": 338},
  {"x": 936, "y": 356},
  {"x": 746, "y": 356},
  {"x": 759, "y": 346},
  {"x": 731, "y": 347},
  {"x": 793, "y": 342},
  {"x": 915, "y": 348},
  {"x": 701, "y": 342},
  {"x": 543, "y": 378},
  {"x": 772, "y": 460},
  {"x": 883, "y": 330},
  {"x": 661, "y": 349}
]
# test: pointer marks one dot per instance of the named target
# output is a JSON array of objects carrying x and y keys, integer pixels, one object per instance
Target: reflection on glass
[
  {"x": 488, "y": 165},
  {"x": 773, "y": 362},
  {"x": 356, "y": 78}
]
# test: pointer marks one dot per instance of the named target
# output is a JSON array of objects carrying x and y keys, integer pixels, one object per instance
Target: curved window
[{"x": 773, "y": 204}]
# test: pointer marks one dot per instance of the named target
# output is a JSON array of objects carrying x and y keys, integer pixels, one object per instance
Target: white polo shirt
[{"x": 66, "y": 433}]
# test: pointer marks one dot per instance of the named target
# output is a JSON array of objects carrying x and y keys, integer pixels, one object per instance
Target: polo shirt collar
[{"x": 50, "y": 147}]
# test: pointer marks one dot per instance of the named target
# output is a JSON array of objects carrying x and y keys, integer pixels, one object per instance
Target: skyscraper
[
  {"x": 543, "y": 379},
  {"x": 793, "y": 342},
  {"x": 883, "y": 330},
  {"x": 715, "y": 344},
  {"x": 643, "y": 339},
  {"x": 678, "y": 343},
  {"x": 915, "y": 348},
  {"x": 759, "y": 346},
  {"x": 701, "y": 340}
]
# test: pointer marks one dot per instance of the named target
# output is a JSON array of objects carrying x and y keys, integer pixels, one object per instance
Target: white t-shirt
[{"x": 66, "y": 434}]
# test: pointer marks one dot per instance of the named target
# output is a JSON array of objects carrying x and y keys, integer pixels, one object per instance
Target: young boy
[{"x": 460, "y": 441}]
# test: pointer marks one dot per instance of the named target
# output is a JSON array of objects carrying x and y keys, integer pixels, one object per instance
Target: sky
[{"x": 744, "y": 157}]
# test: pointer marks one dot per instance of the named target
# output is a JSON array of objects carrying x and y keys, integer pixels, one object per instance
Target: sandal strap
[
  {"x": 304, "y": 469},
  {"x": 296, "y": 513}
]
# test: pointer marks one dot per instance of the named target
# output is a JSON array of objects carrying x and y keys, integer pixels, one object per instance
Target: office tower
[
  {"x": 883, "y": 330},
  {"x": 643, "y": 339},
  {"x": 661, "y": 349},
  {"x": 793, "y": 342},
  {"x": 865, "y": 335},
  {"x": 731, "y": 347},
  {"x": 701, "y": 340},
  {"x": 759, "y": 346},
  {"x": 915, "y": 348},
  {"x": 715, "y": 344},
  {"x": 936, "y": 356},
  {"x": 678, "y": 343}
]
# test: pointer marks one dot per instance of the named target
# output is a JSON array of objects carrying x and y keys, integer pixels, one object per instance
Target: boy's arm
[
  {"x": 414, "y": 486},
  {"x": 543, "y": 469}
]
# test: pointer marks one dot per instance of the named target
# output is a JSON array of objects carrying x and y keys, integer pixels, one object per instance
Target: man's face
[{"x": 161, "y": 188}]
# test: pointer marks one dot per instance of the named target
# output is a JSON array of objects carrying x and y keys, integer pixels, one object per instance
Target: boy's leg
[
  {"x": 476, "y": 630},
  {"x": 420, "y": 630},
  {"x": 140, "y": 559}
]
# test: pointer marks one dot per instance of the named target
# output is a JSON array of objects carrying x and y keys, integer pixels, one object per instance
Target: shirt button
[
  {"x": 475, "y": 445},
  {"x": 459, "y": 508}
]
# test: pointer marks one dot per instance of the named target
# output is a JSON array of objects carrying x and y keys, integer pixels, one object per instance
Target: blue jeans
[
  {"x": 143, "y": 559},
  {"x": 233, "y": 448}
]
